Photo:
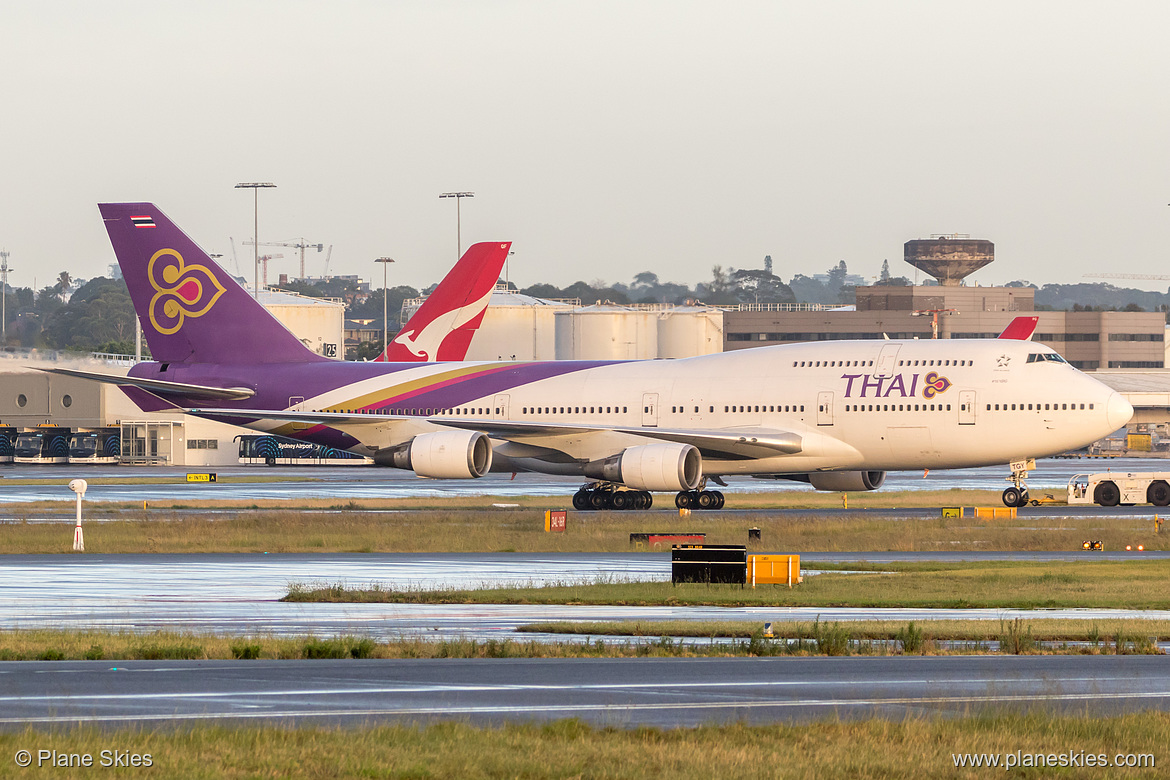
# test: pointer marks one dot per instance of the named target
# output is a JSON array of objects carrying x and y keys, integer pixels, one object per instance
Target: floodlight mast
[
  {"x": 4, "y": 269},
  {"x": 385, "y": 261},
  {"x": 256, "y": 186},
  {"x": 458, "y": 196}
]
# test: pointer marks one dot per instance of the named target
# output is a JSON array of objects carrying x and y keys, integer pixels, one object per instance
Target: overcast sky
[{"x": 603, "y": 138}]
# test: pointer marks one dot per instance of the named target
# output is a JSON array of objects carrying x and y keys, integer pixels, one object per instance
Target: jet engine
[
  {"x": 847, "y": 480},
  {"x": 664, "y": 466},
  {"x": 442, "y": 455}
]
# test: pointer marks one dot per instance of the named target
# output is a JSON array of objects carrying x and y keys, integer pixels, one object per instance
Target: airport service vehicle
[
  {"x": 7, "y": 443},
  {"x": 837, "y": 415},
  {"x": 98, "y": 445},
  {"x": 47, "y": 444},
  {"x": 282, "y": 451},
  {"x": 442, "y": 327},
  {"x": 1120, "y": 487}
]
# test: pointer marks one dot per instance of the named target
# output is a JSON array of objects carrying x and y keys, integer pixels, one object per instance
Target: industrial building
[
  {"x": 520, "y": 327},
  {"x": 30, "y": 398},
  {"x": 1088, "y": 340}
]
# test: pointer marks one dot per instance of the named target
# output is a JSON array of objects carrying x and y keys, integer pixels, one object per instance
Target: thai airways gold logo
[{"x": 181, "y": 290}]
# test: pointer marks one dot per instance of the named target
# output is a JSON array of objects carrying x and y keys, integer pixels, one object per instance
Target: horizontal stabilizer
[
  {"x": 159, "y": 386},
  {"x": 1020, "y": 329}
]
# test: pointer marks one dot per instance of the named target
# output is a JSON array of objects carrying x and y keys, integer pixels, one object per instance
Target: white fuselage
[{"x": 879, "y": 405}]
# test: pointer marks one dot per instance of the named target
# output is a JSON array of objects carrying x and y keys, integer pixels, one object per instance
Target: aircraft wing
[
  {"x": 742, "y": 443},
  {"x": 159, "y": 386},
  {"x": 733, "y": 444},
  {"x": 234, "y": 416}
]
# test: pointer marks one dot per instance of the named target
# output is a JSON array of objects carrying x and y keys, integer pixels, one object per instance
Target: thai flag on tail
[{"x": 142, "y": 222}]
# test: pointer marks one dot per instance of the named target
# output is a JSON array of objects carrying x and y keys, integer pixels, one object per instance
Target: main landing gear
[
  {"x": 606, "y": 495},
  {"x": 699, "y": 499},
  {"x": 1017, "y": 494}
]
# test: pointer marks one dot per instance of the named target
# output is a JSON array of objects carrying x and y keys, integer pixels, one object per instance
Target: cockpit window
[{"x": 1041, "y": 357}]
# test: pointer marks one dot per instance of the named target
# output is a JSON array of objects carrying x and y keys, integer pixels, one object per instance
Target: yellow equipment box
[{"x": 774, "y": 570}]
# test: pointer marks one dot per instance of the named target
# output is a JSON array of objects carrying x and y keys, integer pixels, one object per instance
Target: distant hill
[{"x": 1099, "y": 296}]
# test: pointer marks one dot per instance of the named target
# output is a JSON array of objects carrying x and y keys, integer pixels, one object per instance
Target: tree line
[{"x": 97, "y": 315}]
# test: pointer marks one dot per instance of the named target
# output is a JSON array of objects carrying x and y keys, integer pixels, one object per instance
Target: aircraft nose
[{"x": 1118, "y": 411}]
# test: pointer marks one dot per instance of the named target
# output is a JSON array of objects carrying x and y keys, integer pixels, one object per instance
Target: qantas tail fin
[
  {"x": 191, "y": 310},
  {"x": 442, "y": 327},
  {"x": 1020, "y": 329}
]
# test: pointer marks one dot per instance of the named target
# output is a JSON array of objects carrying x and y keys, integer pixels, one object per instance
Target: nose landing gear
[{"x": 1017, "y": 494}]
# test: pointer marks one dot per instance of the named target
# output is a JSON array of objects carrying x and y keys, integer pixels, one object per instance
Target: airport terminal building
[{"x": 1089, "y": 340}]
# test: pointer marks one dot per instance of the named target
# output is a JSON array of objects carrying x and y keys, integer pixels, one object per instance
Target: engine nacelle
[
  {"x": 665, "y": 466},
  {"x": 442, "y": 455},
  {"x": 847, "y": 480}
]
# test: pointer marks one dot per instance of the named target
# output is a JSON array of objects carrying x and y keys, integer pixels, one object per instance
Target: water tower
[{"x": 949, "y": 258}]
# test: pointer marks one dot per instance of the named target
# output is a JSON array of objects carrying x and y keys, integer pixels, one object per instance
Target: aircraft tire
[
  {"x": 597, "y": 499},
  {"x": 706, "y": 500},
  {"x": 719, "y": 499},
  {"x": 621, "y": 500},
  {"x": 683, "y": 499},
  {"x": 581, "y": 500},
  {"x": 1158, "y": 493},
  {"x": 645, "y": 500},
  {"x": 1011, "y": 497},
  {"x": 1107, "y": 494},
  {"x": 1023, "y": 498}
]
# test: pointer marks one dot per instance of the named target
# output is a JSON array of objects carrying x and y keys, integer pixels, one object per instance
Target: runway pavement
[{"x": 618, "y": 692}]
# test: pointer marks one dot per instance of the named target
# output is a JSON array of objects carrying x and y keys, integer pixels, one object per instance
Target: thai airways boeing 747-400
[{"x": 835, "y": 414}]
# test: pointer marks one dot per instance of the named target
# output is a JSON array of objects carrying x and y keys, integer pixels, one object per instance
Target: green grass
[
  {"x": 629, "y": 640},
  {"x": 875, "y": 748},
  {"x": 955, "y": 585},
  {"x": 331, "y": 527}
]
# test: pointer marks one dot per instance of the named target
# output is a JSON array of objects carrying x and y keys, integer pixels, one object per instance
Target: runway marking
[
  {"x": 666, "y": 687},
  {"x": 576, "y": 708}
]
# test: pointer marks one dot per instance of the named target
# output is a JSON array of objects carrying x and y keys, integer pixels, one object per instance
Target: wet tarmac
[
  {"x": 359, "y": 482},
  {"x": 238, "y": 594}
]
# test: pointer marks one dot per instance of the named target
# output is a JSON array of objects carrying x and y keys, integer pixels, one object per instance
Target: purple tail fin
[{"x": 191, "y": 310}]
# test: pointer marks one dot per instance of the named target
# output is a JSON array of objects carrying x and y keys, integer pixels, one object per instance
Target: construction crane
[
  {"x": 264, "y": 265},
  {"x": 1151, "y": 277},
  {"x": 298, "y": 244}
]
